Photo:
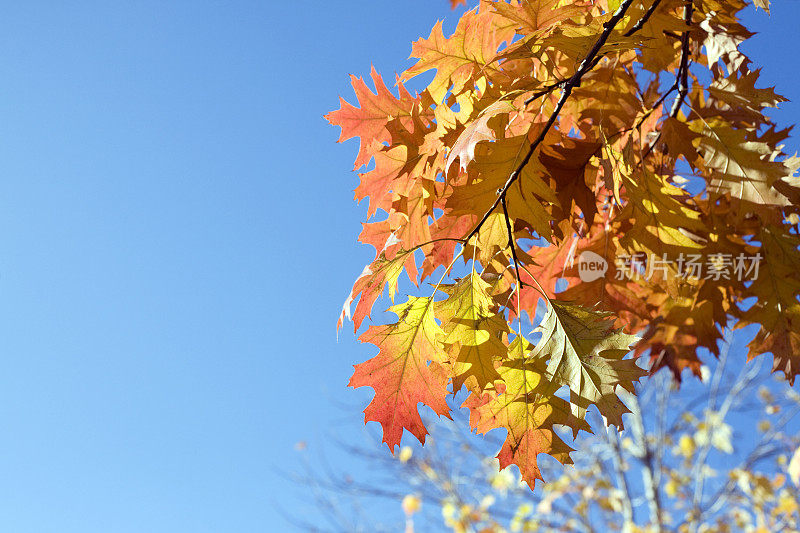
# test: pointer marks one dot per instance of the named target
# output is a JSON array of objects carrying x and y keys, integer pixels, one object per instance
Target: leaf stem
[{"x": 538, "y": 285}]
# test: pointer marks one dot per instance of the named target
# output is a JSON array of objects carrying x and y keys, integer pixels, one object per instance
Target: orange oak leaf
[
  {"x": 381, "y": 273},
  {"x": 567, "y": 163},
  {"x": 777, "y": 310},
  {"x": 533, "y": 18},
  {"x": 400, "y": 374},
  {"x": 461, "y": 57},
  {"x": 380, "y": 183},
  {"x": 369, "y": 120}
]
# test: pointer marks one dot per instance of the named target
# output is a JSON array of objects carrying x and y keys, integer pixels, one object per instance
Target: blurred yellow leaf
[{"x": 411, "y": 504}]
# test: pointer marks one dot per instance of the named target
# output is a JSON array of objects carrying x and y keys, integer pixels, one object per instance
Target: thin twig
[
  {"x": 511, "y": 243},
  {"x": 681, "y": 77},
  {"x": 683, "y": 87},
  {"x": 547, "y": 90},
  {"x": 638, "y": 26},
  {"x": 719, "y": 499}
]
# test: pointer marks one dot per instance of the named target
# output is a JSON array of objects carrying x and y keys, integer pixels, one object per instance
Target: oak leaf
[
  {"x": 473, "y": 332},
  {"x": 525, "y": 405},
  {"x": 401, "y": 374},
  {"x": 460, "y": 58},
  {"x": 586, "y": 354},
  {"x": 368, "y": 122}
]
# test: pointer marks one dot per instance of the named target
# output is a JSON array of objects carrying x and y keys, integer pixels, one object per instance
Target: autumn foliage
[{"x": 634, "y": 130}]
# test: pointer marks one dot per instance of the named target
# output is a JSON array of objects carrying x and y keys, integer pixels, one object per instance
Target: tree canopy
[{"x": 619, "y": 146}]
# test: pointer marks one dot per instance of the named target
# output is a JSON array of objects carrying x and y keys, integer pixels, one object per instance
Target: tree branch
[
  {"x": 586, "y": 65},
  {"x": 622, "y": 482},
  {"x": 683, "y": 70},
  {"x": 636, "y": 27},
  {"x": 645, "y": 456}
]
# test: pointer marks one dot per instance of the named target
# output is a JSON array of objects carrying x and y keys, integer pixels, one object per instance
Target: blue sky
[{"x": 177, "y": 235}]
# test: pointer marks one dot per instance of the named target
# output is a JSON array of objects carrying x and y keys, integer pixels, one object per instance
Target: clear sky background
[{"x": 177, "y": 236}]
